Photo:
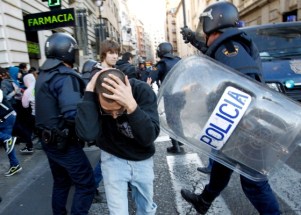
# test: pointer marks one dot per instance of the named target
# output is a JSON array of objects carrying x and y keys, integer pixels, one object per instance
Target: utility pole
[{"x": 184, "y": 13}]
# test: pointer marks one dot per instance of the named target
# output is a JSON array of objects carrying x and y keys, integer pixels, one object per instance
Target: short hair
[
  {"x": 32, "y": 69},
  {"x": 99, "y": 89},
  {"x": 23, "y": 66},
  {"x": 3, "y": 72},
  {"x": 127, "y": 56},
  {"x": 107, "y": 46}
]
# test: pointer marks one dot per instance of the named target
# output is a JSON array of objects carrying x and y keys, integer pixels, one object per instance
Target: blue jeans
[
  {"x": 117, "y": 173},
  {"x": 6, "y": 129},
  {"x": 13, "y": 161},
  {"x": 259, "y": 193},
  {"x": 70, "y": 168}
]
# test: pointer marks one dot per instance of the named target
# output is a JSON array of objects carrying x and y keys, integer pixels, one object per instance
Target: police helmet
[
  {"x": 217, "y": 17},
  {"x": 59, "y": 47},
  {"x": 88, "y": 66},
  {"x": 164, "y": 50}
]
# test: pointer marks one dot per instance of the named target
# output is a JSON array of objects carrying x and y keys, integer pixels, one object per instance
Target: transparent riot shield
[{"x": 231, "y": 118}]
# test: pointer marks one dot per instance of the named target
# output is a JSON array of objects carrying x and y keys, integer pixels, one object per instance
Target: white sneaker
[{"x": 26, "y": 150}]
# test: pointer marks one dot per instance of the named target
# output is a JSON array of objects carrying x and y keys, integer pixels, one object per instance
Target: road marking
[
  {"x": 283, "y": 183},
  {"x": 183, "y": 173},
  {"x": 162, "y": 138}
]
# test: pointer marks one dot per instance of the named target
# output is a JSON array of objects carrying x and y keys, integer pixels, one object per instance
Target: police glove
[
  {"x": 189, "y": 37},
  {"x": 187, "y": 34}
]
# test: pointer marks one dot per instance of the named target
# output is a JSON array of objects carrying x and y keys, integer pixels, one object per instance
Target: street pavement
[{"x": 29, "y": 191}]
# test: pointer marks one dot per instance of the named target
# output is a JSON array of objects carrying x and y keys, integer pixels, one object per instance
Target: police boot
[
  {"x": 175, "y": 148},
  {"x": 199, "y": 204}
]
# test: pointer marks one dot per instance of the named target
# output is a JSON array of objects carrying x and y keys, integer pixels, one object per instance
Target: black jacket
[
  {"x": 127, "y": 68},
  {"x": 130, "y": 136}
]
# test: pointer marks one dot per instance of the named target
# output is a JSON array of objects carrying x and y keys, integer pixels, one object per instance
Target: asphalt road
[{"x": 29, "y": 192}]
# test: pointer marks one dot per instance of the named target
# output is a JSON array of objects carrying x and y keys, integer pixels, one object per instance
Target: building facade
[
  {"x": 25, "y": 25},
  {"x": 251, "y": 12}
]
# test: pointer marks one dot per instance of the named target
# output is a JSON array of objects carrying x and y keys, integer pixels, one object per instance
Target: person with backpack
[
  {"x": 7, "y": 121},
  {"x": 224, "y": 42}
]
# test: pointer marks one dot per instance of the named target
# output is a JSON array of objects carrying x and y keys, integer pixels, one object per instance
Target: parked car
[{"x": 279, "y": 45}]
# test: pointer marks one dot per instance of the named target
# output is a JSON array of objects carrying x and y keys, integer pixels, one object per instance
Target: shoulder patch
[{"x": 230, "y": 54}]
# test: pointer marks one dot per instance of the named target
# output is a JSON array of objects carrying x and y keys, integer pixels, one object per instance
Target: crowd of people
[
  {"x": 111, "y": 105},
  {"x": 17, "y": 112}
]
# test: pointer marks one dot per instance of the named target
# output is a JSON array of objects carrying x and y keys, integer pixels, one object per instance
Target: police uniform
[
  {"x": 165, "y": 64},
  {"x": 235, "y": 49},
  {"x": 163, "y": 67},
  {"x": 58, "y": 91},
  {"x": 239, "y": 53}
]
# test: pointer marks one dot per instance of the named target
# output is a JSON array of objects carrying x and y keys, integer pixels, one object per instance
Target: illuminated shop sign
[
  {"x": 33, "y": 50},
  {"x": 49, "y": 20}
]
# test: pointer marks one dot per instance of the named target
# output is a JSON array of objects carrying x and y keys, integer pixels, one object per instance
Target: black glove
[
  {"x": 189, "y": 37},
  {"x": 187, "y": 34}
]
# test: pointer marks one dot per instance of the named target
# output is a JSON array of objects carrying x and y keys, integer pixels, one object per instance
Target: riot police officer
[
  {"x": 224, "y": 42},
  {"x": 58, "y": 90},
  {"x": 167, "y": 61},
  {"x": 87, "y": 69}
]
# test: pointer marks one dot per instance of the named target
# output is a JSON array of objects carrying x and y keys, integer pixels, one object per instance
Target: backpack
[{"x": 5, "y": 107}]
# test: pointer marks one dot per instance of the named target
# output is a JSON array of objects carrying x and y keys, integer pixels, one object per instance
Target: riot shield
[{"x": 230, "y": 117}]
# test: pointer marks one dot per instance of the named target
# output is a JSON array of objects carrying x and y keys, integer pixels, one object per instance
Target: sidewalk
[
  {"x": 23, "y": 158},
  {"x": 32, "y": 186},
  {"x": 35, "y": 181}
]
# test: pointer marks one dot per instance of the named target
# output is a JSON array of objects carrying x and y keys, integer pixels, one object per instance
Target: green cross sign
[{"x": 54, "y": 3}]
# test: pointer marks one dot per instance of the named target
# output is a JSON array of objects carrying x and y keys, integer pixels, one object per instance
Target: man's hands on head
[{"x": 122, "y": 92}]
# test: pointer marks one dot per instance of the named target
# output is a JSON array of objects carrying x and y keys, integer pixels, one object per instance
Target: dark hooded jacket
[{"x": 127, "y": 68}]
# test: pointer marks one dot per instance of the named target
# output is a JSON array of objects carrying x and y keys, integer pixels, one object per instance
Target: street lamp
[
  {"x": 99, "y": 3},
  {"x": 99, "y": 28}
]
